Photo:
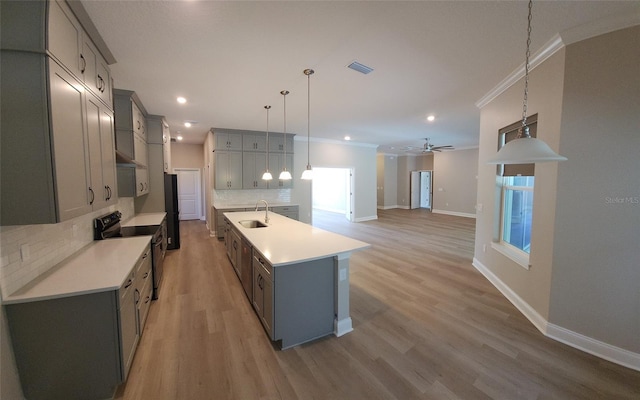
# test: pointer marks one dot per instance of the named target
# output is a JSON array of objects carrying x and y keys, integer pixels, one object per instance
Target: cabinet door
[
  {"x": 70, "y": 147},
  {"x": 139, "y": 121},
  {"x": 108, "y": 153},
  {"x": 65, "y": 36},
  {"x": 101, "y": 153},
  {"x": 228, "y": 173},
  {"x": 103, "y": 78},
  {"x": 253, "y": 166},
  {"x": 258, "y": 294},
  {"x": 276, "y": 164},
  {"x": 166, "y": 148},
  {"x": 267, "y": 305},
  {"x": 276, "y": 143},
  {"x": 142, "y": 181},
  {"x": 254, "y": 142},
  {"x": 140, "y": 150}
]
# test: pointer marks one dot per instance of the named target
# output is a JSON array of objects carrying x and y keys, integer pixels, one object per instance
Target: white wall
[{"x": 361, "y": 158}]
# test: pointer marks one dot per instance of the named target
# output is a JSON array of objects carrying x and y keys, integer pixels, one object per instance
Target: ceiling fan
[{"x": 428, "y": 147}]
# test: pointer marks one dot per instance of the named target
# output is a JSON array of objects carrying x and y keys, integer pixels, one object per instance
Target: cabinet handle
[
  {"x": 106, "y": 190},
  {"x": 129, "y": 282},
  {"x": 137, "y": 296},
  {"x": 139, "y": 125},
  {"x": 100, "y": 84},
  {"x": 147, "y": 299},
  {"x": 84, "y": 64},
  {"x": 93, "y": 196},
  {"x": 141, "y": 187},
  {"x": 145, "y": 275}
]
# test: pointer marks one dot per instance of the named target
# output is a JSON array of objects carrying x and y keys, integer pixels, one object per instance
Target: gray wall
[
  {"x": 595, "y": 288},
  {"x": 455, "y": 182}
]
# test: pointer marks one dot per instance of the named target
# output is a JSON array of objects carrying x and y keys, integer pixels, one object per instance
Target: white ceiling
[{"x": 229, "y": 59}]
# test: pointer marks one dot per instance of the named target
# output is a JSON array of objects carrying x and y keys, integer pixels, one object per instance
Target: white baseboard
[
  {"x": 369, "y": 218},
  {"x": 387, "y": 207},
  {"x": 589, "y": 345},
  {"x": 457, "y": 214},
  {"x": 404, "y": 207}
]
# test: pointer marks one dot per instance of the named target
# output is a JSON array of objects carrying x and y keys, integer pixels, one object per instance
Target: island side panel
[
  {"x": 304, "y": 301},
  {"x": 342, "y": 323}
]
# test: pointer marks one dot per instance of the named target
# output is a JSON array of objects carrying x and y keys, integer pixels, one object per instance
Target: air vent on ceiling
[{"x": 356, "y": 66}]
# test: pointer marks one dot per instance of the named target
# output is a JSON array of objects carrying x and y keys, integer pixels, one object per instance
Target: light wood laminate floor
[{"x": 427, "y": 326}]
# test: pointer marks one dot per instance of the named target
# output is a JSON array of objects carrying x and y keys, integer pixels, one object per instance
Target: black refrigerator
[{"x": 171, "y": 207}]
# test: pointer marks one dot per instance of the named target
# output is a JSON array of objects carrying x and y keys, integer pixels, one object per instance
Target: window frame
[{"x": 512, "y": 252}]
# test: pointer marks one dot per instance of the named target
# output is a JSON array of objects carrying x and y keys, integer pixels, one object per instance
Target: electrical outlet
[
  {"x": 343, "y": 274},
  {"x": 25, "y": 252}
]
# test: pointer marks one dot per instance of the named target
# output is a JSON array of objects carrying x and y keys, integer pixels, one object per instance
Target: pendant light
[
  {"x": 285, "y": 175},
  {"x": 267, "y": 175},
  {"x": 525, "y": 149},
  {"x": 307, "y": 174}
]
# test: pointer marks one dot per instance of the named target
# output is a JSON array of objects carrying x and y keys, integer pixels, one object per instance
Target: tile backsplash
[
  {"x": 251, "y": 196},
  {"x": 44, "y": 246}
]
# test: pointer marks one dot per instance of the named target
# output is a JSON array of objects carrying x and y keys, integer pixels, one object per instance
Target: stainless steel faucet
[{"x": 266, "y": 210}]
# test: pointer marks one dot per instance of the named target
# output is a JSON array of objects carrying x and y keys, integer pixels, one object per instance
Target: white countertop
[
  {"x": 101, "y": 266},
  {"x": 145, "y": 219},
  {"x": 286, "y": 241}
]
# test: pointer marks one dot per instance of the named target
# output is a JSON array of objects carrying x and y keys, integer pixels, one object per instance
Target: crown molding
[{"x": 559, "y": 41}]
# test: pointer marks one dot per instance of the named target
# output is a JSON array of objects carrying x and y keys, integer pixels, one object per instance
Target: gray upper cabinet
[
  {"x": 253, "y": 166},
  {"x": 228, "y": 141},
  {"x": 101, "y": 153},
  {"x": 254, "y": 142},
  {"x": 95, "y": 71},
  {"x": 240, "y": 158},
  {"x": 65, "y": 37},
  {"x": 56, "y": 160}
]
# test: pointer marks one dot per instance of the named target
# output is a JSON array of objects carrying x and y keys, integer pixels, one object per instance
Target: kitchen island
[{"x": 299, "y": 275}]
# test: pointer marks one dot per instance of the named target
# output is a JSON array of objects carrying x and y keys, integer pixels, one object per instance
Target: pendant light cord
[
  {"x": 524, "y": 131},
  {"x": 308, "y": 114}
]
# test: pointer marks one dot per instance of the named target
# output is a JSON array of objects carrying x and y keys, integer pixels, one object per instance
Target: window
[
  {"x": 517, "y": 207},
  {"x": 516, "y": 183}
]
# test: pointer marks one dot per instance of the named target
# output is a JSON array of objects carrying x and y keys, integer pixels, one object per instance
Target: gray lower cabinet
[
  {"x": 295, "y": 303},
  {"x": 263, "y": 291},
  {"x": 80, "y": 347}
]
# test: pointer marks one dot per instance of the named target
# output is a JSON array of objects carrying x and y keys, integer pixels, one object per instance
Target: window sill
[{"x": 519, "y": 257}]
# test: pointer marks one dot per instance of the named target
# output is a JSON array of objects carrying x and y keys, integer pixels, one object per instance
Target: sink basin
[{"x": 248, "y": 223}]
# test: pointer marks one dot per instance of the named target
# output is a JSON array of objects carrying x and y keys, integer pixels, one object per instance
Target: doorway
[
  {"x": 188, "y": 193},
  {"x": 331, "y": 190},
  {"x": 421, "y": 189}
]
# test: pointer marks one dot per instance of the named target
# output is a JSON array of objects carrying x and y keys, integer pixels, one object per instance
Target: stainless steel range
[{"x": 108, "y": 227}]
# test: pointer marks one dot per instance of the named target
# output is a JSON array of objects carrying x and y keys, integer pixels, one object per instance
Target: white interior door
[
  {"x": 425, "y": 189},
  {"x": 414, "y": 195},
  {"x": 188, "y": 193}
]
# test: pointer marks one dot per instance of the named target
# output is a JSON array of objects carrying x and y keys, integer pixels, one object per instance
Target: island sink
[{"x": 247, "y": 223}]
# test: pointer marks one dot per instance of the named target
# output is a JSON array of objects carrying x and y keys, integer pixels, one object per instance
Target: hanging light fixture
[
  {"x": 285, "y": 175},
  {"x": 267, "y": 175},
  {"x": 525, "y": 149},
  {"x": 307, "y": 174}
]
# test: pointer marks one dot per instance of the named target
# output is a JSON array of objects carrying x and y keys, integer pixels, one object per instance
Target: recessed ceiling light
[
  {"x": 181, "y": 100},
  {"x": 179, "y": 137},
  {"x": 431, "y": 118},
  {"x": 347, "y": 138},
  {"x": 187, "y": 124}
]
